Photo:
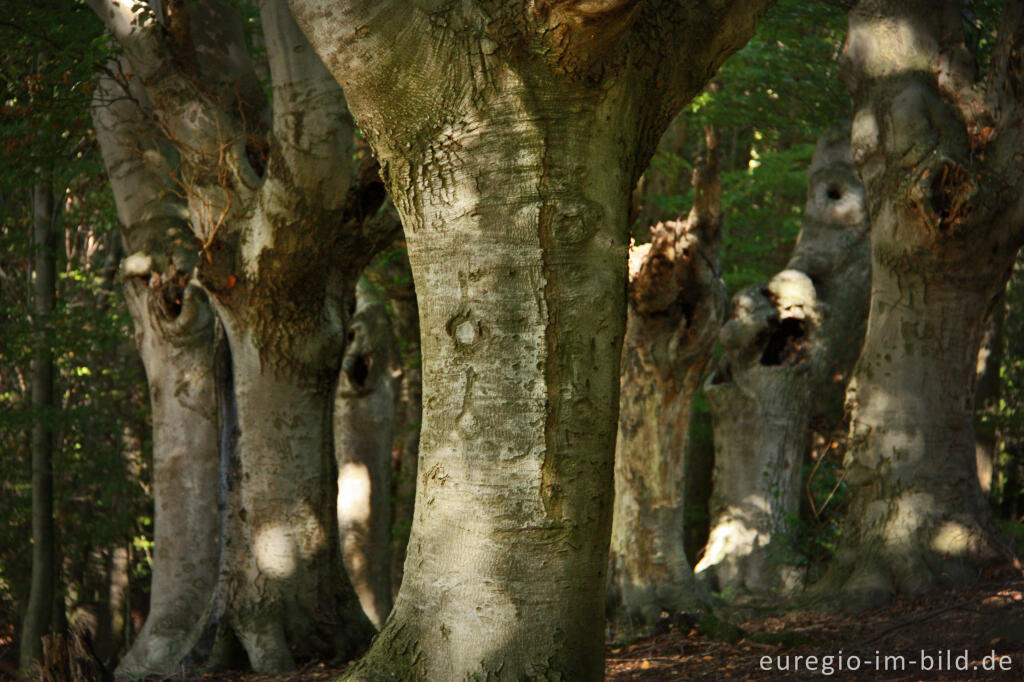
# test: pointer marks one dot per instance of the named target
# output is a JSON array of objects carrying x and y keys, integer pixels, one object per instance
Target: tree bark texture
[
  {"x": 174, "y": 333},
  {"x": 395, "y": 278},
  {"x": 677, "y": 302},
  {"x": 987, "y": 395},
  {"x": 510, "y": 139},
  {"x": 364, "y": 425},
  {"x": 42, "y": 591},
  {"x": 785, "y": 340},
  {"x": 285, "y": 227},
  {"x": 941, "y": 162}
]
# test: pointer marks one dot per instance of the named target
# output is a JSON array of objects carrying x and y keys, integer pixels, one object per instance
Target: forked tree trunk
[
  {"x": 284, "y": 238},
  {"x": 510, "y": 142},
  {"x": 785, "y": 339},
  {"x": 364, "y": 420},
  {"x": 42, "y": 600},
  {"x": 677, "y": 302},
  {"x": 174, "y": 332},
  {"x": 941, "y": 165}
]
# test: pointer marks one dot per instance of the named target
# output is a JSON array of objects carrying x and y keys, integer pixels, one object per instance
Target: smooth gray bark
[
  {"x": 364, "y": 424},
  {"x": 785, "y": 340},
  {"x": 677, "y": 302},
  {"x": 177, "y": 351},
  {"x": 941, "y": 163},
  {"x": 174, "y": 333},
  {"x": 510, "y": 139},
  {"x": 284, "y": 226},
  {"x": 42, "y": 591}
]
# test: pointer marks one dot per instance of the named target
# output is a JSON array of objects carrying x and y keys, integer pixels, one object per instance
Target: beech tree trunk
[
  {"x": 283, "y": 239},
  {"x": 177, "y": 351},
  {"x": 510, "y": 140},
  {"x": 174, "y": 332},
  {"x": 677, "y": 302},
  {"x": 42, "y": 591},
  {"x": 785, "y": 340},
  {"x": 940, "y": 160},
  {"x": 364, "y": 420}
]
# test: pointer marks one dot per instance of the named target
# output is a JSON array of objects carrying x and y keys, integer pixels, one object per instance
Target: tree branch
[
  {"x": 139, "y": 165},
  {"x": 662, "y": 42},
  {"x": 312, "y": 142},
  {"x": 358, "y": 37},
  {"x": 174, "y": 71}
]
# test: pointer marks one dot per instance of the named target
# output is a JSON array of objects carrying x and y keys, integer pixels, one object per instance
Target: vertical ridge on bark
[
  {"x": 677, "y": 303},
  {"x": 784, "y": 341},
  {"x": 943, "y": 172}
]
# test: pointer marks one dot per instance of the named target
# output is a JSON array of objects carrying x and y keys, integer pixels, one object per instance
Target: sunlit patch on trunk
[
  {"x": 275, "y": 551},
  {"x": 354, "y": 493}
]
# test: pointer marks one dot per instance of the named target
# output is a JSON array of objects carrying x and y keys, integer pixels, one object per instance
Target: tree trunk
[
  {"x": 987, "y": 396},
  {"x": 785, "y": 339},
  {"x": 284, "y": 593},
  {"x": 174, "y": 333},
  {"x": 289, "y": 599},
  {"x": 512, "y": 167},
  {"x": 177, "y": 351},
  {"x": 110, "y": 623},
  {"x": 503, "y": 327},
  {"x": 364, "y": 419},
  {"x": 938, "y": 164},
  {"x": 409, "y": 415},
  {"x": 510, "y": 143},
  {"x": 677, "y": 302},
  {"x": 41, "y": 601},
  {"x": 283, "y": 239}
]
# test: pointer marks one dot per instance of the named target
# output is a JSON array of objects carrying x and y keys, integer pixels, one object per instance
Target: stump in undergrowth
[{"x": 68, "y": 658}]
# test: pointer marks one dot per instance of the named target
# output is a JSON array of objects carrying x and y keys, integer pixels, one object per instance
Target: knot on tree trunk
[{"x": 942, "y": 194}]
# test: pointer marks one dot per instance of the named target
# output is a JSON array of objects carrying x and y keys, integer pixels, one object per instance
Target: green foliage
[
  {"x": 763, "y": 207},
  {"x": 784, "y": 82},
  {"x": 1008, "y": 483},
  {"x": 769, "y": 103},
  {"x": 99, "y": 463}
]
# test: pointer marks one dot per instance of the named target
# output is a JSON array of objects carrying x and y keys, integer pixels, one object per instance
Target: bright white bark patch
[
  {"x": 465, "y": 333},
  {"x": 731, "y": 538},
  {"x": 952, "y": 538},
  {"x": 354, "y": 493},
  {"x": 137, "y": 265},
  {"x": 275, "y": 551}
]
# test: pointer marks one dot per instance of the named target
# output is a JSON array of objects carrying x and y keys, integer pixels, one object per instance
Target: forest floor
[
  {"x": 947, "y": 635},
  {"x": 944, "y": 635}
]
